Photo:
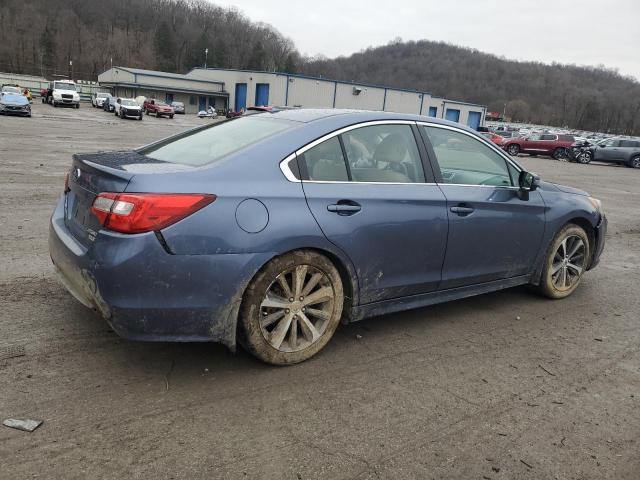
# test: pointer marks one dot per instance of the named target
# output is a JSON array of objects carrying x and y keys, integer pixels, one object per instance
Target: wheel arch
[
  {"x": 339, "y": 260},
  {"x": 581, "y": 222}
]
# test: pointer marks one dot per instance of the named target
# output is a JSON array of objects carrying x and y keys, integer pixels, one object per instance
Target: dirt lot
[{"x": 503, "y": 386}]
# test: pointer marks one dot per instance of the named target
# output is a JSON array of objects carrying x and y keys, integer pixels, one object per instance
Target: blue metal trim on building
[
  {"x": 335, "y": 92},
  {"x": 163, "y": 88},
  {"x": 308, "y": 77},
  {"x": 175, "y": 76},
  {"x": 286, "y": 93}
]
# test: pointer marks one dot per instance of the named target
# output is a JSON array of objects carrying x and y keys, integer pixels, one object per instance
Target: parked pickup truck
[
  {"x": 63, "y": 92},
  {"x": 159, "y": 109},
  {"x": 551, "y": 144}
]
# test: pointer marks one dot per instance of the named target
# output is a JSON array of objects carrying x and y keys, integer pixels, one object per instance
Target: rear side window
[
  {"x": 383, "y": 153},
  {"x": 548, "y": 137},
  {"x": 202, "y": 147},
  {"x": 325, "y": 162},
  {"x": 629, "y": 144}
]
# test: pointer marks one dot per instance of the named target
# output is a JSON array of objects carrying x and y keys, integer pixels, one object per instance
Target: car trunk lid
[{"x": 91, "y": 174}]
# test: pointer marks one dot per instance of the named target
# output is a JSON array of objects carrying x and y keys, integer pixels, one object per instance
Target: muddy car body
[{"x": 273, "y": 227}]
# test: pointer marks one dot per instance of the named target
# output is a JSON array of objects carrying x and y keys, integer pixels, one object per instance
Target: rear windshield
[{"x": 202, "y": 147}]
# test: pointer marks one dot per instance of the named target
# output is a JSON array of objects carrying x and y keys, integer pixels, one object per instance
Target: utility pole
[
  {"x": 206, "y": 54},
  {"x": 70, "y": 69},
  {"x": 111, "y": 58}
]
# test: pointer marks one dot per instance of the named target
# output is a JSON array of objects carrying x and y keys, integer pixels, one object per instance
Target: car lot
[{"x": 509, "y": 381}]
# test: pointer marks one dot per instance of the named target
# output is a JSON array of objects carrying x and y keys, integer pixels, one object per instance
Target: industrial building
[{"x": 238, "y": 89}]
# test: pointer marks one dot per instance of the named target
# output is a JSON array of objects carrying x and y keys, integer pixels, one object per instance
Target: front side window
[
  {"x": 464, "y": 160},
  {"x": 383, "y": 153}
]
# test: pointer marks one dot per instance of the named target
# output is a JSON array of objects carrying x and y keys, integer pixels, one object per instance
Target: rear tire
[
  {"x": 565, "y": 263},
  {"x": 513, "y": 149},
  {"x": 635, "y": 162},
  {"x": 291, "y": 308}
]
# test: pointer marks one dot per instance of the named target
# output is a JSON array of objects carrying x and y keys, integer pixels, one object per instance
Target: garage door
[
  {"x": 474, "y": 120},
  {"x": 452, "y": 114},
  {"x": 262, "y": 94},
  {"x": 241, "y": 96}
]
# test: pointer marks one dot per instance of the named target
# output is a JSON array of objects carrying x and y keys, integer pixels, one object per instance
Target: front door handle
[
  {"x": 462, "y": 211},
  {"x": 344, "y": 207}
]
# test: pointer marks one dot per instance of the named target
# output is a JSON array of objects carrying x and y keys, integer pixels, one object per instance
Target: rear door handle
[
  {"x": 344, "y": 207},
  {"x": 462, "y": 211}
]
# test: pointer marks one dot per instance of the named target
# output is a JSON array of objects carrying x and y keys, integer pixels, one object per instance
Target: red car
[
  {"x": 495, "y": 138},
  {"x": 551, "y": 144},
  {"x": 159, "y": 109}
]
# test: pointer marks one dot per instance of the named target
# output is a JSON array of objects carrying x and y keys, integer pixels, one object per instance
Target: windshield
[
  {"x": 102, "y": 95},
  {"x": 64, "y": 86},
  {"x": 178, "y": 104},
  {"x": 129, "y": 103},
  {"x": 202, "y": 147},
  {"x": 10, "y": 89}
]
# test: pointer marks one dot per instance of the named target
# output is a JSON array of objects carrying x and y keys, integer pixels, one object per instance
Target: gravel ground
[{"x": 502, "y": 386}]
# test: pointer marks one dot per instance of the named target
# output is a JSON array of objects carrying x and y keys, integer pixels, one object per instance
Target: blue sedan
[{"x": 271, "y": 229}]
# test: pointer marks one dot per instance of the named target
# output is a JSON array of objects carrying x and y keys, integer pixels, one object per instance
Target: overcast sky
[{"x": 584, "y": 32}]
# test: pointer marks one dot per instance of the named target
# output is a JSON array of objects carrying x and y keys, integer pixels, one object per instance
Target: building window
[{"x": 193, "y": 100}]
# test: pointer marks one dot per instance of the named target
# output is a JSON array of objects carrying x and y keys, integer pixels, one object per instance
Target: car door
[
  {"x": 367, "y": 190},
  {"x": 494, "y": 231},
  {"x": 607, "y": 151},
  {"x": 531, "y": 143}
]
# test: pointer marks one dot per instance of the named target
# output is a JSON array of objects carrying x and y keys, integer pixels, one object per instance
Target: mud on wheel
[
  {"x": 291, "y": 308},
  {"x": 567, "y": 260}
]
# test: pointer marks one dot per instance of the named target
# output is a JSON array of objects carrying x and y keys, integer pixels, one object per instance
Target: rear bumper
[{"x": 147, "y": 294}]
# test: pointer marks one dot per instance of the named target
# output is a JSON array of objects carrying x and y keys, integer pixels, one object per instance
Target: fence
[{"x": 35, "y": 84}]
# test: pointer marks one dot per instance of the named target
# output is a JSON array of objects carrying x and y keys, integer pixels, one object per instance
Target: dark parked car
[
  {"x": 618, "y": 150},
  {"x": 14, "y": 104},
  {"x": 273, "y": 228},
  {"x": 550, "y": 144},
  {"x": 109, "y": 103},
  {"x": 178, "y": 107}
]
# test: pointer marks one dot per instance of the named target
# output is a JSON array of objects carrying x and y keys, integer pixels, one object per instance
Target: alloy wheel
[
  {"x": 297, "y": 308},
  {"x": 568, "y": 263},
  {"x": 513, "y": 150},
  {"x": 635, "y": 162}
]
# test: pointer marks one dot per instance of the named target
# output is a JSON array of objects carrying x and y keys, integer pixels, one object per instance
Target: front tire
[
  {"x": 560, "y": 154},
  {"x": 291, "y": 308},
  {"x": 585, "y": 157},
  {"x": 566, "y": 261}
]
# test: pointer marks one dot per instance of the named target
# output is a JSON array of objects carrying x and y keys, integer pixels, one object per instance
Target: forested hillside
[
  {"x": 42, "y": 36},
  {"x": 578, "y": 97}
]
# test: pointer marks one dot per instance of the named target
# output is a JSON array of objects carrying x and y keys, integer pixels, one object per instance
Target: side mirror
[{"x": 528, "y": 181}]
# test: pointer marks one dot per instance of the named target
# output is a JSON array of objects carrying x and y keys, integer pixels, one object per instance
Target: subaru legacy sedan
[{"x": 271, "y": 229}]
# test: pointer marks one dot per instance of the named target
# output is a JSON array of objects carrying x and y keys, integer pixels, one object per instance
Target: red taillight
[{"x": 145, "y": 212}]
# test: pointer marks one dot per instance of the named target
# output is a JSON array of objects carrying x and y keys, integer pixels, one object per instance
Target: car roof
[{"x": 348, "y": 117}]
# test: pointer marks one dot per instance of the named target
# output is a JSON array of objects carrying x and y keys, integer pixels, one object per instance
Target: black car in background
[
  {"x": 618, "y": 150},
  {"x": 109, "y": 104}
]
